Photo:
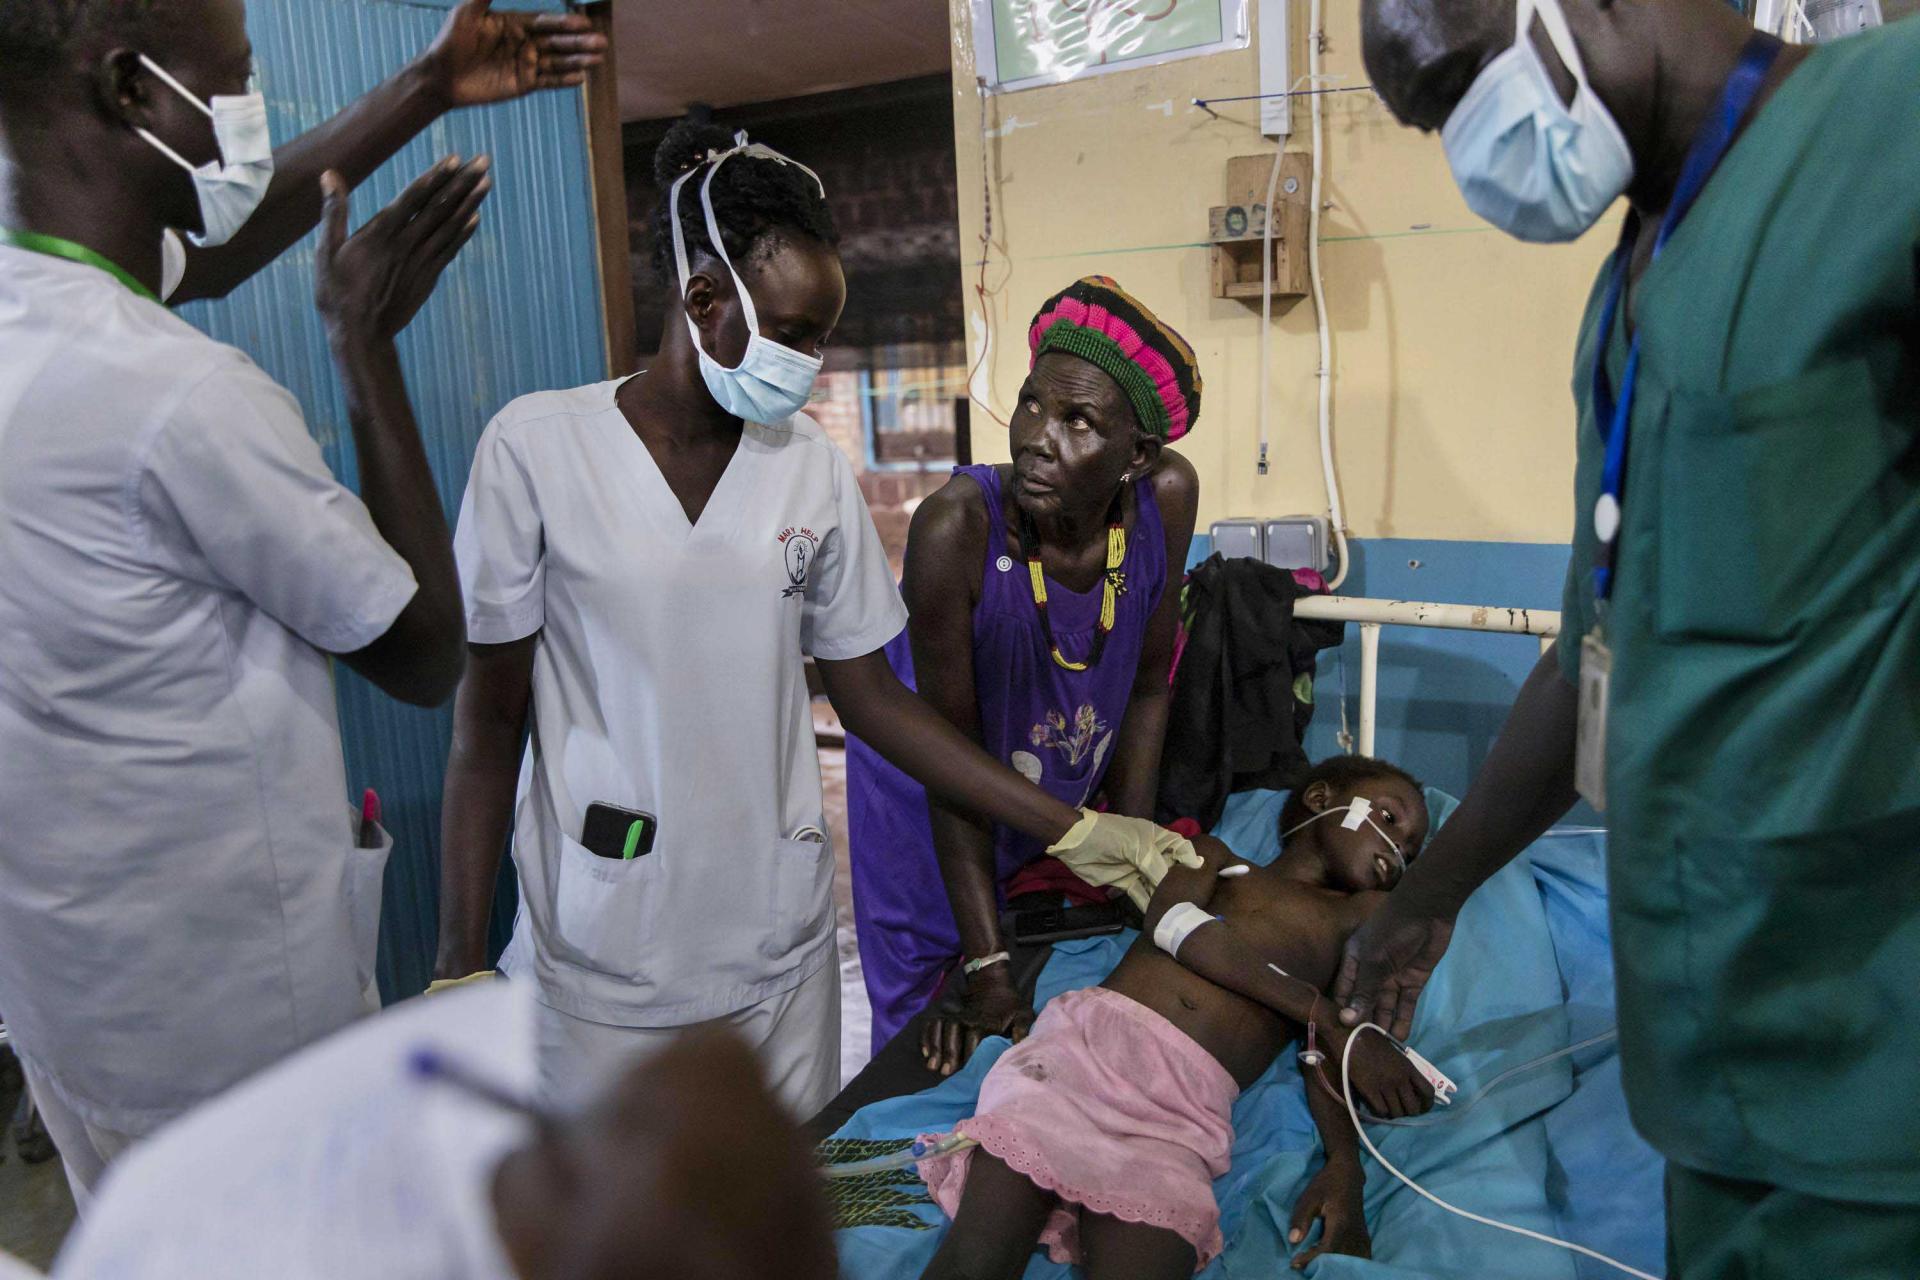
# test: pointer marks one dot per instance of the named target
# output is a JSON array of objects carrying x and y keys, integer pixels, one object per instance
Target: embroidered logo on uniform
[{"x": 802, "y": 546}]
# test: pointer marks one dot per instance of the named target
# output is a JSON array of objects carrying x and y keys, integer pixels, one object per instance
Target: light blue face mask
[
  {"x": 231, "y": 188},
  {"x": 1528, "y": 163},
  {"x": 772, "y": 382}
]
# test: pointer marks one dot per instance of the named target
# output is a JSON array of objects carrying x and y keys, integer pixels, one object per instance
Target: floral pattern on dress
[{"x": 1074, "y": 739}]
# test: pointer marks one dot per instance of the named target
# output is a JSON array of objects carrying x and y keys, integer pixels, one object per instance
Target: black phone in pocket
[{"x": 620, "y": 834}]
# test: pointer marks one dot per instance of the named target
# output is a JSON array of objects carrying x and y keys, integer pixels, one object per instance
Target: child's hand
[
  {"x": 1335, "y": 1200},
  {"x": 1384, "y": 1081}
]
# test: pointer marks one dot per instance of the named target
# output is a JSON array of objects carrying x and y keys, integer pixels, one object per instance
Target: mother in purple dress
[{"x": 1045, "y": 601}]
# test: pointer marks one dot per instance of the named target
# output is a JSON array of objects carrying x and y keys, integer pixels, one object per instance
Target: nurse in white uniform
[
  {"x": 181, "y": 901},
  {"x": 646, "y": 565}
]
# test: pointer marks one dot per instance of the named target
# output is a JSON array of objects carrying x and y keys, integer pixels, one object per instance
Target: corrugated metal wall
[{"x": 519, "y": 312}]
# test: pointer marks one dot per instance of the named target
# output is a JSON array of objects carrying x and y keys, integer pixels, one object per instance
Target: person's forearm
[
  {"x": 1133, "y": 779},
  {"x": 1524, "y": 788},
  {"x": 476, "y": 818},
  {"x": 397, "y": 486},
  {"x": 925, "y": 746},
  {"x": 353, "y": 144},
  {"x": 1217, "y": 954},
  {"x": 1329, "y": 1111},
  {"x": 964, "y": 847}
]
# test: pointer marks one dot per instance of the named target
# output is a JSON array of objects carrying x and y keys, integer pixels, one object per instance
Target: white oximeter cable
[{"x": 1346, "y": 1089}]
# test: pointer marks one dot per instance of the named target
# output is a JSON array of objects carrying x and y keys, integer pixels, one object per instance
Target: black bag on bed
[{"x": 1243, "y": 695}]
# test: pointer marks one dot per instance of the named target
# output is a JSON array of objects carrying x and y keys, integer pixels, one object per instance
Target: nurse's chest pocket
[
  {"x": 605, "y": 908},
  {"x": 1768, "y": 499}
]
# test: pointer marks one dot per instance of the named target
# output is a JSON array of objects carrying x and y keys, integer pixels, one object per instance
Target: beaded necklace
[{"x": 1112, "y": 588}]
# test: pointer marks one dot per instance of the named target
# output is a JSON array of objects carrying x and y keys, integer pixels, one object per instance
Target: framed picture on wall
[{"x": 1023, "y": 44}]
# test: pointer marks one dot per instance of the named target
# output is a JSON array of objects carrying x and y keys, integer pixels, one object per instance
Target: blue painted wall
[
  {"x": 519, "y": 312},
  {"x": 1443, "y": 694}
]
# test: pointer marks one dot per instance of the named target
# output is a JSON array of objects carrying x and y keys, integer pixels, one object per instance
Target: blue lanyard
[{"x": 1709, "y": 149}]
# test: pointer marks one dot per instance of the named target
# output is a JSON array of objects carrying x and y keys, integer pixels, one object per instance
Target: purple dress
[{"x": 1057, "y": 727}]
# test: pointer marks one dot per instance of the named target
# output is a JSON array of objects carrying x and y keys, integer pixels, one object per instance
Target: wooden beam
[{"x": 607, "y": 163}]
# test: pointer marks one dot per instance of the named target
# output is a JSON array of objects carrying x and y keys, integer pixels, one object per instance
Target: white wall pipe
[
  {"x": 1323, "y": 323},
  {"x": 1369, "y": 684},
  {"x": 1443, "y": 617},
  {"x": 1372, "y": 615}
]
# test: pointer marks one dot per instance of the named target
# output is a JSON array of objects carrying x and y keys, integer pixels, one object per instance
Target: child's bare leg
[
  {"x": 998, "y": 1225},
  {"x": 1117, "y": 1250}
]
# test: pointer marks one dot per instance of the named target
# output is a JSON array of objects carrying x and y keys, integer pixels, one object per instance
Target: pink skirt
[{"x": 1115, "y": 1110}]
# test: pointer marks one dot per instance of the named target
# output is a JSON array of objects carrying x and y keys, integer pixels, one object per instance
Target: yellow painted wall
[{"x": 1453, "y": 344}]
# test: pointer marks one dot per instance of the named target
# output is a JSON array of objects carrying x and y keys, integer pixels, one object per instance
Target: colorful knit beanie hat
[{"x": 1101, "y": 323}]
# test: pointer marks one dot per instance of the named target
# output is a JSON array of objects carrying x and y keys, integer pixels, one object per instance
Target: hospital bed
[{"x": 1530, "y": 973}]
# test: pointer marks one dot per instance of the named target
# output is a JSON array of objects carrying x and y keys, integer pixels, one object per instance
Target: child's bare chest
[{"x": 1298, "y": 927}]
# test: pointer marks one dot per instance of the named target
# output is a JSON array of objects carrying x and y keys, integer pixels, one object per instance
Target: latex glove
[
  {"x": 448, "y": 984},
  {"x": 1130, "y": 854}
]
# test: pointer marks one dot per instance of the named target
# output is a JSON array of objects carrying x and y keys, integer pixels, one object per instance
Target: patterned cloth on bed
[{"x": 1530, "y": 971}]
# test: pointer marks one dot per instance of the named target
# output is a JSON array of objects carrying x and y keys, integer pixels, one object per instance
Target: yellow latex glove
[
  {"x": 1131, "y": 854},
  {"x": 448, "y": 984}
]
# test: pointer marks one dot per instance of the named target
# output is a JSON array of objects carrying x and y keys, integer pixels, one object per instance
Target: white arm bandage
[{"x": 1181, "y": 920}]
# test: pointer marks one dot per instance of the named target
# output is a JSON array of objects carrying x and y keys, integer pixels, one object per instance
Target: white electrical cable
[
  {"x": 1316, "y": 69},
  {"x": 1266, "y": 306},
  {"x": 1456, "y": 1114},
  {"x": 1346, "y": 1089}
]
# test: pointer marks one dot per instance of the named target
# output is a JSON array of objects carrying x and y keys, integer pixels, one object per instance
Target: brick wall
[{"x": 886, "y": 157}]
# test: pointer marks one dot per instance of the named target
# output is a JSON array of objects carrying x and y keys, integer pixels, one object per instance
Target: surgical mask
[
  {"x": 1528, "y": 163},
  {"x": 772, "y": 382},
  {"x": 230, "y": 189}
]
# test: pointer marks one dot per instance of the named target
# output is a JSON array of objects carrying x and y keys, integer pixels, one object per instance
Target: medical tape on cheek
[
  {"x": 1358, "y": 812},
  {"x": 1181, "y": 919}
]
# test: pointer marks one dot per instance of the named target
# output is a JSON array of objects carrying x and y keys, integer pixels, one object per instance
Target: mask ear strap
[
  {"x": 176, "y": 86},
  {"x": 1554, "y": 18},
  {"x": 720, "y": 246},
  {"x": 167, "y": 151},
  {"x": 680, "y": 251}
]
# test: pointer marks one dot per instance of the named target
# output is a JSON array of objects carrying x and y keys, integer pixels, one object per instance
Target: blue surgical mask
[
  {"x": 772, "y": 382},
  {"x": 231, "y": 188},
  {"x": 1528, "y": 163}
]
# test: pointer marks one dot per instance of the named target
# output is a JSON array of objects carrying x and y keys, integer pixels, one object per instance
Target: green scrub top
[{"x": 1764, "y": 754}]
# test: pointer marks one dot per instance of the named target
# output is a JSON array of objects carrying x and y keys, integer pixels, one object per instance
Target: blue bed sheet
[{"x": 1530, "y": 971}]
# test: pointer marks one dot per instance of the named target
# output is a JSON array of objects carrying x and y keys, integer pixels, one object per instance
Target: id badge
[{"x": 1590, "y": 753}]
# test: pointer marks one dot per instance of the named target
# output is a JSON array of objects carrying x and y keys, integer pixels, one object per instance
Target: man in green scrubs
[{"x": 1761, "y": 757}]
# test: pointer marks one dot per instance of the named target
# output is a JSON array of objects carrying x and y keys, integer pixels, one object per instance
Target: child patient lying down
[{"x": 1101, "y": 1133}]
